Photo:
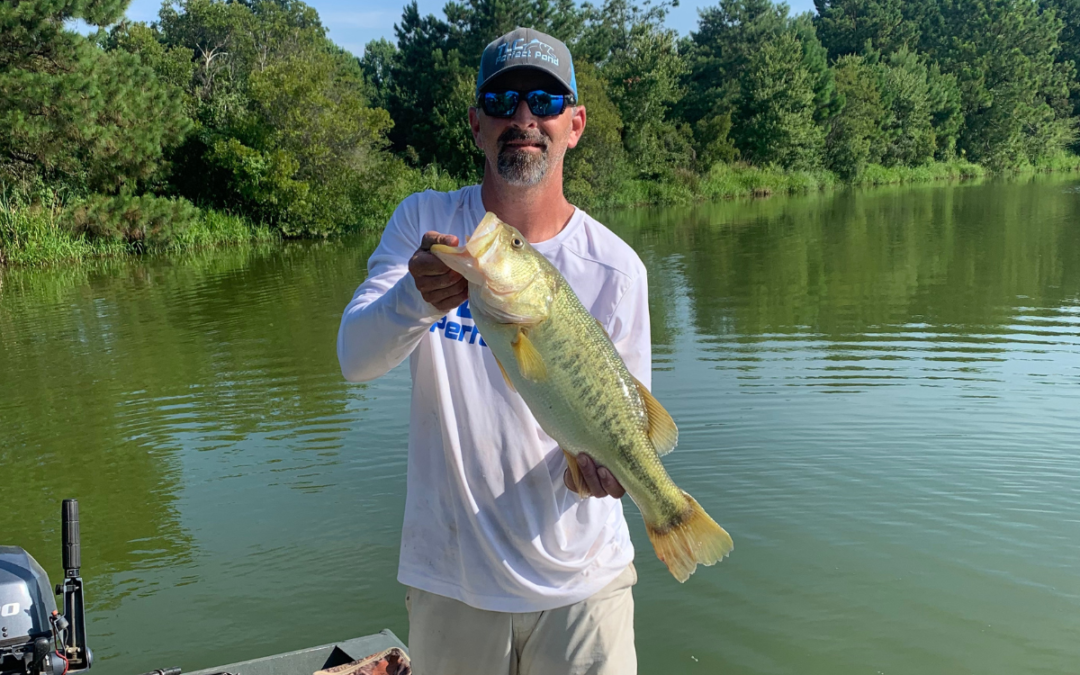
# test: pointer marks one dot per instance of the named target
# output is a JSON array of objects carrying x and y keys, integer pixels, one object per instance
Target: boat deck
[{"x": 308, "y": 661}]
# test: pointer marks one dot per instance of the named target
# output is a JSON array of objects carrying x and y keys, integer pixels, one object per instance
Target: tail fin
[{"x": 696, "y": 539}]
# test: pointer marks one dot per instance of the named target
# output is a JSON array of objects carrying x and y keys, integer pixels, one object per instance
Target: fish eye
[{"x": 517, "y": 243}]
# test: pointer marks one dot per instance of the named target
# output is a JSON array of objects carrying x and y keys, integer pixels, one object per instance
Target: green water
[{"x": 878, "y": 395}]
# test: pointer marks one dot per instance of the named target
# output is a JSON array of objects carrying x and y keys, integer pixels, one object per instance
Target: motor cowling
[{"x": 26, "y": 603}]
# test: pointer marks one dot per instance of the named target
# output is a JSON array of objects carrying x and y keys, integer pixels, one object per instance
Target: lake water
[{"x": 878, "y": 395}]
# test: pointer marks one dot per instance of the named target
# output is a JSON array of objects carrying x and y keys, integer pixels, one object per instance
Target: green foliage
[
  {"x": 713, "y": 136},
  {"x": 40, "y": 225},
  {"x": 142, "y": 221},
  {"x": 857, "y": 26},
  {"x": 855, "y": 135},
  {"x": 598, "y": 165},
  {"x": 245, "y": 108},
  {"x": 730, "y": 41},
  {"x": 1013, "y": 91},
  {"x": 73, "y": 114},
  {"x": 1068, "y": 11},
  {"x": 642, "y": 67},
  {"x": 33, "y": 229},
  {"x": 286, "y": 133},
  {"x": 720, "y": 51},
  {"x": 907, "y": 127},
  {"x": 776, "y": 108}
]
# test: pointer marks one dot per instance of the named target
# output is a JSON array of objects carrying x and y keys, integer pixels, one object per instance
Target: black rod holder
[{"x": 70, "y": 536}]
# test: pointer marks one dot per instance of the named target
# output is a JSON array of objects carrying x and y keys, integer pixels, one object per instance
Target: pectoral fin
[
  {"x": 662, "y": 430},
  {"x": 529, "y": 362},
  {"x": 505, "y": 376}
]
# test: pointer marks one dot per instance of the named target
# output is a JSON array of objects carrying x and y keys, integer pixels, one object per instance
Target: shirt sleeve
[
  {"x": 630, "y": 330},
  {"x": 387, "y": 316}
]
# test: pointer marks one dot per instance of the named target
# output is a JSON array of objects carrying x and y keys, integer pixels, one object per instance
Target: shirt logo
[
  {"x": 534, "y": 49},
  {"x": 459, "y": 331}
]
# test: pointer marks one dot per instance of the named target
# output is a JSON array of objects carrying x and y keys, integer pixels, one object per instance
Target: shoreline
[{"x": 36, "y": 236}]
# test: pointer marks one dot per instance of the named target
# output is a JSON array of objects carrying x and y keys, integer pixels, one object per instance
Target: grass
[
  {"x": 731, "y": 181},
  {"x": 35, "y": 231},
  {"x": 32, "y": 233}
]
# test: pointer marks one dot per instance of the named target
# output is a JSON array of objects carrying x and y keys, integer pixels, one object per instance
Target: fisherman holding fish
[{"x": 526, "y": 325}]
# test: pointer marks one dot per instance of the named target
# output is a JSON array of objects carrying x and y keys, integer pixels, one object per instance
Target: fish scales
[
  {"x": 589, "y": 402},
  {"x": 564, "y": 365}
]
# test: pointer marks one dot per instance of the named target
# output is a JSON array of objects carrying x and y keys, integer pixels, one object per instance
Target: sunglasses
[{"x": 541, "y": 103}]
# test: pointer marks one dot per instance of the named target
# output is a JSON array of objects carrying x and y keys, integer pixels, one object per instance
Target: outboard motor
[{"x": 36, "y": 639}]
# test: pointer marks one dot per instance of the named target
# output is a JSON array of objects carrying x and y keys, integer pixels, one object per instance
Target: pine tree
[
  {"x": 855, "y": 26},
  {"x": 1014, "y": 91},
  {"x": 72, "y": 113},
  {"x": 1068, "y": 11},
  {"x": 855, "y": 134},
  {"x": 776, "y": 108}
]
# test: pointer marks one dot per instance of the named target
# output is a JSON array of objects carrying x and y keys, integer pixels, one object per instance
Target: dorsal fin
[{"x": 662, "y": 430}]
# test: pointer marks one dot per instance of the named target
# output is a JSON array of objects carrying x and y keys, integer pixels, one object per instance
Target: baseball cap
[{"x": 527, "y": 48}]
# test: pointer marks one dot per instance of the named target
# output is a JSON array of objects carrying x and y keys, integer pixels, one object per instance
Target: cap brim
[{"x": 523, "y": 66}]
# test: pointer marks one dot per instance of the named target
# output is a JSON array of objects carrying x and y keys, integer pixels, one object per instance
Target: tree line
[{"x": 247, "y": 107}]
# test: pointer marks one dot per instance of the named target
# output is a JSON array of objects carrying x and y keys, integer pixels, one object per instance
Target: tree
[
  {"x": 594, "y": 170},
  {"x": 907, "y": 127},
  {"x": 1014, "y": 91},
  {"x": 776, "y": 108},
  {"x": 855, "y": 26},
  {"x": 640, "y": 62},
  {"x": 1068, "y": 11},
  {"x": 719, "y": 52},
  {"x": 730, "y": 37},
  {"x": 73, "y": 114},
  {"x": 855, "y": 134},
  {"x": 286, "y": 132}
]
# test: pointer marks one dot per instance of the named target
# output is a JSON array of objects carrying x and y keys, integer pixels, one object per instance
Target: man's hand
[
  {"x": 600, "y": 481},
  {"x": 439, "y": 285}
]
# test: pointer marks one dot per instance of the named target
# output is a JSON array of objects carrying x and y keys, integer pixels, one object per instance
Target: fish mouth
[{"x": 468, "y": 260}]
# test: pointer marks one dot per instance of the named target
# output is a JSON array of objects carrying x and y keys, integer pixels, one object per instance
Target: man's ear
[
  {"x": 577, "y": 125},
  {"x": 474, "y": 124}
]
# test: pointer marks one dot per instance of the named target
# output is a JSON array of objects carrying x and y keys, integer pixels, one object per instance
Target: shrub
[{"x": 143, "y": 221}]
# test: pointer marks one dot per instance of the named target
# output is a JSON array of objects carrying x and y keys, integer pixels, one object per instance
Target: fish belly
[{"x": 588, "y": 402}]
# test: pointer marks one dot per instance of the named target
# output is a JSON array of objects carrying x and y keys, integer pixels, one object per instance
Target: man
[{"x": 508, "y": 570}]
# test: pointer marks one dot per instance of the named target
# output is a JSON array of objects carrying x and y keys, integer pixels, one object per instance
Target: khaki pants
[{"x": 592, "y": 637}]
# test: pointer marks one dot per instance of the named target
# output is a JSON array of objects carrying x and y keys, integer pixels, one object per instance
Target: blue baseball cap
[{"x": 527, "y": 48}]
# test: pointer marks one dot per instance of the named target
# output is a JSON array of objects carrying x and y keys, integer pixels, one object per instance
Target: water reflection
[
  {"x": 950, "y": 278},
  {"x": 876, "y": 393}
]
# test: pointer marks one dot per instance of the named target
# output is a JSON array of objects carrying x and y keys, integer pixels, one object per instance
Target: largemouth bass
[{"x": 578, "y": 387}]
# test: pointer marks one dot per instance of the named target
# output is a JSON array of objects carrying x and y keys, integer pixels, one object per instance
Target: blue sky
[{"x": 352, "y": 24}]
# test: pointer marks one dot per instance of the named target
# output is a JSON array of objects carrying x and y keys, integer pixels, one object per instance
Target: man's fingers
[
  {"x": 448, "y": 297},
  {"x": 433, "y": 237},
  {"x": 588, "y": 472},
  {"x": 425, "y": 264},
  {"x": 610, "y": 485},
  {"x": 428, "y": 284},
  {"x": 568, "y": 480}
]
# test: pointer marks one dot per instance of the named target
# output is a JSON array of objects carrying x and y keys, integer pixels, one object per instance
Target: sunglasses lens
[
  {"x": 500, "y": 104},
  {"x": 543, "y": 104}
]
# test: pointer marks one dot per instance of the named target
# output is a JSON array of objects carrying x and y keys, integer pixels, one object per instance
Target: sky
[{"x": 353, "y": 24}]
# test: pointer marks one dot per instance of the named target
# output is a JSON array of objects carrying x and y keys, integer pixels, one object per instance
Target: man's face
[{"x": 524, "y": 148}]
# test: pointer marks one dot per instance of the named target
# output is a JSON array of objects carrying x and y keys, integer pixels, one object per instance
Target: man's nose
[{"x": 523, "y": 117}]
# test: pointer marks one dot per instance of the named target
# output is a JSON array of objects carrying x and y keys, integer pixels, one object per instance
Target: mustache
[{"x": 513, "y": 134}]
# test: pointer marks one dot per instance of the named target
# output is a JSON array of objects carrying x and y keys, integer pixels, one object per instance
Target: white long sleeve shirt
[{"x": 488, "y": 520}]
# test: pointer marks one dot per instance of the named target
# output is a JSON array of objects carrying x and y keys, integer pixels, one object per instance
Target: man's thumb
[{"x": 437, "y": 238}]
